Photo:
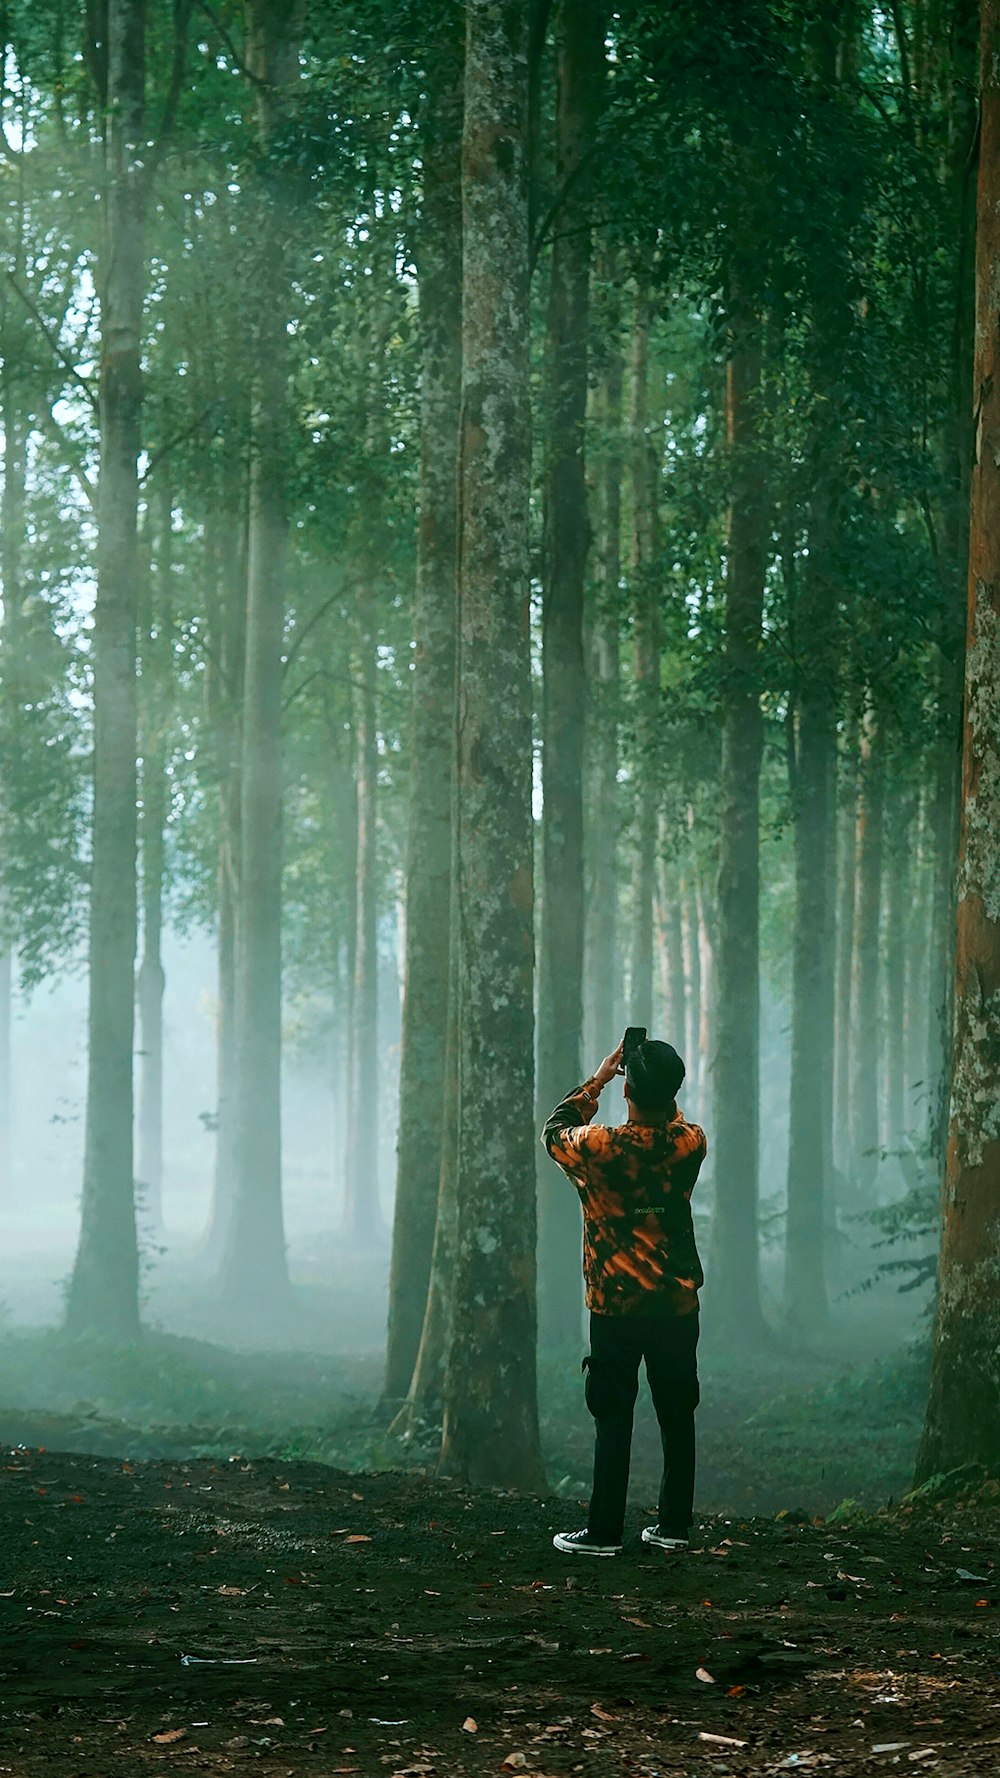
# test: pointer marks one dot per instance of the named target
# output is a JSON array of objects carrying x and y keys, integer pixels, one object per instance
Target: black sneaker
[
  {"x": 653, "y": 1534},
  {"x": 580, "y": 1543}
]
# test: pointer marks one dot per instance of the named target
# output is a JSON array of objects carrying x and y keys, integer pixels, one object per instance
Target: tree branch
[
  {"x": 62, "y": 356},
  {"x": 164, "y": 451},
  {"x": 310, "y": 624},
  {"x": 71, "y": 455},
  {"x": 178, "y": 69}
]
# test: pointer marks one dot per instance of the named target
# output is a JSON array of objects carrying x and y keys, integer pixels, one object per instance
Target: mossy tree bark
[
  {"x": 490, "y": 1431},
  {"x": 580, "y": 63},
  {"x": 429, "y": 859},
  {"x": 963, "y": 1412}
]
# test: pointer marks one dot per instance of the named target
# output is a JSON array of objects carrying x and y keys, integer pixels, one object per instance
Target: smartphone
[{"x": 634, "y": 1036}]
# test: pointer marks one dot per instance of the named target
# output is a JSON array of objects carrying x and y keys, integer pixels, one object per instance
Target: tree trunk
[
  {"x": 228, "y": 568},
  {"x": 644, "y": 472},
  {"x": 429, "y": 861},
  {"x": 362, "y": 1214},
  {"x": 866, "y": 1047},
  {"x": 423, "y": 1406},
  {"x": 670, "y": 947},
  {"x": 736, "y": 1090},
  {"x": 580, "y": 57},
  {"x": 897, "y": 901},
  {"x": 960, "y": 182},
  {"x": 12, "y": 532},
  {"x": 707, "y": 925},
  {"x": 155, "y": 690},
  {"x": 104, "y": 1289},
  {"x": 490, "y": 1412},
  {"x": 255, "y": 1265},
  {"x": 810, "y": 1100},
  {"x": 602, "y": 816},
  {"x": 963, "y": 1412},
  {"x": 691, "y": 952},
  {"x": 847, "y": 854}
]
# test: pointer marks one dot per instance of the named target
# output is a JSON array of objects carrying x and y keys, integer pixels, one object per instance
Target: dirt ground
[{"x": 289, "y": 1618}]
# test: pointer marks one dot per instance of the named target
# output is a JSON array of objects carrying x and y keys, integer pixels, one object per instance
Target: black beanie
[{"x": 654, "y": 1075}]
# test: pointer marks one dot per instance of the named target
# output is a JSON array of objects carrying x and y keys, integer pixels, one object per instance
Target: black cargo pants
[{"x": 618, "y": 1344}]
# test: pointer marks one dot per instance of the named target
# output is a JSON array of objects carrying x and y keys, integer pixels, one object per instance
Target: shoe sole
[
  {"x": 577, "y": 1549},
  {"x": 672, "y": 1546}
]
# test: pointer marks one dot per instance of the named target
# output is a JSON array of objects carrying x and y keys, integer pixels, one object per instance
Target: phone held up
[{"x": 634, "y": 1036}]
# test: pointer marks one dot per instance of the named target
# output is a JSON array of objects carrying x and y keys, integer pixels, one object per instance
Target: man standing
[{"x": 643, "y": 1275}]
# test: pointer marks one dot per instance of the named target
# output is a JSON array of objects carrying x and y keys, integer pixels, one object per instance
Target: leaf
[
  {"x": 703, "y": 1674},
  {"x": 357, "y": 1537},
  {"x": 470, "y": 1725},
  {"x": 604, "y": 1715},
  {"x": 169, "y": 1736},
  {"x": 515, "y": 1762},
  {"x": 639, "y": 1622},
  {"x": 233, "y": 1592},
  {"x": 720, "y": 1740}
]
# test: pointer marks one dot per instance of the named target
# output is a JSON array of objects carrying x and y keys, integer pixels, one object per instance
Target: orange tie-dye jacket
[{"x": 635, "y": 1183}]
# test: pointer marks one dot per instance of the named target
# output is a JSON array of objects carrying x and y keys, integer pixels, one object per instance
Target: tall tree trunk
[
  {"x": 429, "y": 860},
  {"x": 644, "y": 471},
  {"x": 736, "y": 1091},
  {"x": 963, "y": 1412},
  {"x": 865, "y": 999},
  {"x": 813, "y": 792},
  {"x": 897, "y": 900},
  {"x": 691, "y": 953},
  {"x": 155, "y": 688},
  {"x": 104, "y": 1290},
  {"x": 847, "y": 855},
  {"x": 580, "y": 57},
  {"x": 362, "y": 1214},
  {"x": 255, "y": 1264},
  {"x": 490, "y": 1408},
  {"x": 670, "y": 946},
  {"x": 810, "y": 1101},
  {"x": 707, "y": 916},
  {"x": 228, "y": 569},
  {"x": 12, "y": 531},
  {"x": 602, "y": 817},
  {"x": 960, "y": 183},
  {"x": 424, "y": 1402}
]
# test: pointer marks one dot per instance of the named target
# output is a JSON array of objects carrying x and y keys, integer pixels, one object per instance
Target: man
[{"x": 643, "y": 1275}]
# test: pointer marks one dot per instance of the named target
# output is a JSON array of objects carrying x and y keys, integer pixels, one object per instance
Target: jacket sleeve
[
  {"x": 568, "y": 1128},
  {"x": 686, "y": 1170}
]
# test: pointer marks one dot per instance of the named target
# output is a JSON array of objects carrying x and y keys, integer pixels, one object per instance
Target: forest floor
[{"x": 279, "y": 1618}]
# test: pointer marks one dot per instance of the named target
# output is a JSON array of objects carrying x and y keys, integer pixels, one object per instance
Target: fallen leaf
[
  {"x": 470, "y": 1725},
  {"x": 639, "y": 1622},
  {"x": 169, "y": 1736},
  {"x": 515, "y": 1762},
  {"x": 357, "y": 1537},
  {"x": 233, "y": 1592},
  {"x": 720, "y": 1740},
  {"x": 736, "y": 1691},
  {"x": 890, "y": 1746},
  {"x": 703, "y": 1674},
  {"x": 605, "y": 1715}
]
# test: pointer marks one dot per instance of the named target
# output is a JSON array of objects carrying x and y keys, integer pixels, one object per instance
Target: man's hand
[{"x": 610, "y": 1066}]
